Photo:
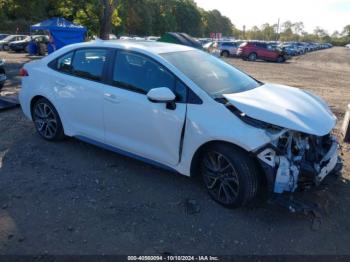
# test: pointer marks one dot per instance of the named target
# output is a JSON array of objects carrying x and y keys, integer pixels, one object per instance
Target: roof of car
[{"x": 153, "y": 47}]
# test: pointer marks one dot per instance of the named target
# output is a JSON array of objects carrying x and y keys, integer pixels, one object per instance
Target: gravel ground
[{"x": 74, "y": 198}]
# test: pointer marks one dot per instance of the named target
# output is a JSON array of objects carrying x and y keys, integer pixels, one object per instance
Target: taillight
[{"x": 23, "y": 72}]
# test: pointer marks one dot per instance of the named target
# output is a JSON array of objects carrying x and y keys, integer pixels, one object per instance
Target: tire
[
  {"x": 230, "y": 175},
  {"x": 47, "y": 121},
  {"x": 225, "y": 54},
  {"x": 252, "y": 57},
  {"x": 280, "y": 59}
]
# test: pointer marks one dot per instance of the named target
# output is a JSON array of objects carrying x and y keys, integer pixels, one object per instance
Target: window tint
[
  {"x": 89, "y": 63},
  {"x": 228, "y": 44},
  {"x": 64, "y": 63},
  {"x": 180, "y": 91},
  {"x": 140, "y": 74}
]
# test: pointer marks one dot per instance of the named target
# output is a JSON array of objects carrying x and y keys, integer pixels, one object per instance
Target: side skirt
[{"x": 125, "y": 153}]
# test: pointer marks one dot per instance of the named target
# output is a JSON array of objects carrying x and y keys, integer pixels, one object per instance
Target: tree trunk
[{"x": 108, "y": 7}]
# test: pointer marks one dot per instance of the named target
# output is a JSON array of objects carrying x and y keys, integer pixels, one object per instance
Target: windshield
[{"x": 210, "y": 73}]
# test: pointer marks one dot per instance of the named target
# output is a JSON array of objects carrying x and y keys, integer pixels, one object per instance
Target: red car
[{"x": 260, "y": 50}]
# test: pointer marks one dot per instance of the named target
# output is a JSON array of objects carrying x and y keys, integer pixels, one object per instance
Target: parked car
[
  {"x": 185, "y": 110},
  {"x": 227, "y": 48},
  {"x": 212, "y": 48},
  {"x": 22, "y": 45},
  {"x": 2, "y": 36},
  {"x": 4, "y": 43},
  {"x": 2, "y": 73},
  {"x": 290, "y": 50},
  {"x": 181, "y": 39},
  {"x": 260, "y": 50},
  {"x": 347, "y": 46},
  {"x": 152, "y": 38}
]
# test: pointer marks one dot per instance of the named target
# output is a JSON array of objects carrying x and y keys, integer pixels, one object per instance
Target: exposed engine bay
[
  {"x": 300, "y": 160},
  {"x": 293, "y": 160}
]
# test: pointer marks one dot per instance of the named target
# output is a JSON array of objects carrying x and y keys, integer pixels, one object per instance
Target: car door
[
  {"x": 262, "y": 50},
  {"x": 135, "y": 124},
  {"x": 271, "y": 52},
  {"x": 79, "y": 86}
]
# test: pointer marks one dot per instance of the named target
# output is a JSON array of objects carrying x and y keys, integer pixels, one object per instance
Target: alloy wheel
[
  {"x": 220, "y": 177},
  {"x": 45, "y": 120}
]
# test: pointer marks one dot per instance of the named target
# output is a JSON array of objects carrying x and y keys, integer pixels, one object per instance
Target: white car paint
[
  {"x": 126, "y": 120},
  {"x": 287, "y": 107}
]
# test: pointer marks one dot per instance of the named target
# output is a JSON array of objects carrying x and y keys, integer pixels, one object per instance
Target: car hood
[{"x": 286, "y": 107}]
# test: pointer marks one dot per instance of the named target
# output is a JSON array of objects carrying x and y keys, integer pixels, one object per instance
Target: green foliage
[
  {"x": 153, "y": 17},
  {"x": 131, "y": 17}
]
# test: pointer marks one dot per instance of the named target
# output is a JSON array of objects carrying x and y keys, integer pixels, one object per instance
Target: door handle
[
  {"x": 107, "y": 95},
  {"x": 60, "y": 83},
  {"x": 111, "y": 98}
]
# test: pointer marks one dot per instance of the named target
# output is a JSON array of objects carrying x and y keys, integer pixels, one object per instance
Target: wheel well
[
  {"x": 33, "y": 101},
  {"x": 198, "y": 154}
]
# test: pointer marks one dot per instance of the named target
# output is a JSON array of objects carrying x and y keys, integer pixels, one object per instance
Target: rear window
[
  {"x": 89, "y": 63},
  {"x": 85, "y": 63}
]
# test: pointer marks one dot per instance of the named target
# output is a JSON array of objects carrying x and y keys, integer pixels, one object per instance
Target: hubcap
[
  {"x": 45, "y": 120},
  {"x": 220, "y": 177}
]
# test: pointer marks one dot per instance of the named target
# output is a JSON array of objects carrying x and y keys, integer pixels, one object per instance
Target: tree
[
  {"x": 108, "y": 9},
  {"x": 214, "y": 22},
  {"x": 188, "y": 17},
  {"x": 346, "y": 31}
]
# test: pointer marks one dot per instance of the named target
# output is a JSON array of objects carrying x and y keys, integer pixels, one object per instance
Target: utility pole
[{"x": 278, "y": 29}]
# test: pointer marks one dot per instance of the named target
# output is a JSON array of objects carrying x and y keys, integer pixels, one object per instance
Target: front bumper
[{"x": 284, "y": 175}]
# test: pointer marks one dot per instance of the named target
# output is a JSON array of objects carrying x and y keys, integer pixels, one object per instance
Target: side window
[
  {"x": 64, "y": 63},
  {"x": 89, "y": 63},
  {"x": 140, "y": 74},
  {"x": 181, "y": 92}
]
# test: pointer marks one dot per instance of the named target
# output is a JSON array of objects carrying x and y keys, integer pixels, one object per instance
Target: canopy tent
[{"x": 62, "y": 31}]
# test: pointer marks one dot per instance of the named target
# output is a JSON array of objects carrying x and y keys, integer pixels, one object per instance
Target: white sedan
[{"x": 185, "y": 110}]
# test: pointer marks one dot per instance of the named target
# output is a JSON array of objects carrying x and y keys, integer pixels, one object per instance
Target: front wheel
[
  {"x": 47, "y": 121},
  {"x": 230, "y": 175},
  {"x": 280, "y": 59}
]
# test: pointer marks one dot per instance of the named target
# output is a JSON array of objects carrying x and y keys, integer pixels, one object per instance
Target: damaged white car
[{"x": 185, "y": 110}]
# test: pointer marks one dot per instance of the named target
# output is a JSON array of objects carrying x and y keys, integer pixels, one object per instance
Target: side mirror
[{"x": 162, "y": 95}]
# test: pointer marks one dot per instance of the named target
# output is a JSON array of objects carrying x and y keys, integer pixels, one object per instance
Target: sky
[{"x": 330, "y": 15}]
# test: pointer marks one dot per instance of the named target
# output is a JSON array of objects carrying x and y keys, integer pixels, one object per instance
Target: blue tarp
[{"x": 63, "y": 32}]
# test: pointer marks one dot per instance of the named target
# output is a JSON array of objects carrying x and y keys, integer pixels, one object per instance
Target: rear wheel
[
  {"x": 47, "y": 121},
  {"x": 252, "y": 56},
  {"x": 230, "y": 175},
  {"x": 225, "y": 54}
]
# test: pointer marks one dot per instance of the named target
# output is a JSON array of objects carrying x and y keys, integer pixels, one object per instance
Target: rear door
[
  {"x": 135, "y": 124},
  {"x": 79, "y": 85},
  {"x": 262, "y": 50}
]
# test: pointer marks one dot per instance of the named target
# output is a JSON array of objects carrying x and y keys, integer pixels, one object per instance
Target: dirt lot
[{"x": 74, "y": 198}]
